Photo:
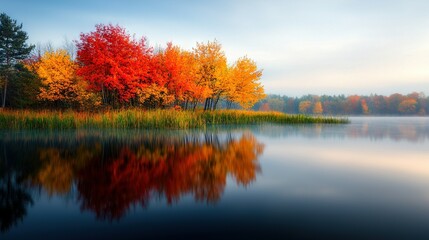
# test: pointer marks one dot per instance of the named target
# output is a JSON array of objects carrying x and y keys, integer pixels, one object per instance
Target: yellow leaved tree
[
  {"x": 60, "y": 85},
  {"x": 212, "y": 72},
  {"x": 244, "y": 87}
]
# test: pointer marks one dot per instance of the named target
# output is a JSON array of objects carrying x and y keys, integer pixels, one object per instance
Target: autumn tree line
[
  {"x": 395, "y": 104},
  {"x": 108, "y": 68}
]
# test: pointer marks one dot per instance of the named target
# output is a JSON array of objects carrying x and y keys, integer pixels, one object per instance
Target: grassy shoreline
[{"x": 156, "y": 119}]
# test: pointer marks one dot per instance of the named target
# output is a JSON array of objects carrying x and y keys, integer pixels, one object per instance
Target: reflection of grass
[{"x": 140, "y": 119}]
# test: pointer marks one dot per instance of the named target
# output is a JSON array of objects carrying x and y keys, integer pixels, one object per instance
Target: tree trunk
[
  {"x": 217, "y": 100},
  {"x": 206, "y": 104},
  {"x": 213, "y": 104},
  {"x": 209, "y": 104},
  {"x": 4, "y": 93},
  {"x": 6, "y": 80},
  {"x": 103, "y": 95}
]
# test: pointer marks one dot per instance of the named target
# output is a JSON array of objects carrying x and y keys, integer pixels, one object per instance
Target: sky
[{"x": 304, "y": 47}]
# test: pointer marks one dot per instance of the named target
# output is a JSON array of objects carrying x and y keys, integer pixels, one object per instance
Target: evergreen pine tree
[{"x": 12, "y": 49}]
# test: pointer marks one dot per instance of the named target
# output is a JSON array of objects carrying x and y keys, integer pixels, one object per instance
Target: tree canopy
[{"x": 113, "y": 63}]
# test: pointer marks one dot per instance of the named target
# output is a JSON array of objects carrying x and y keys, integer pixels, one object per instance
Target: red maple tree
[{"x": 113, "y": 62}]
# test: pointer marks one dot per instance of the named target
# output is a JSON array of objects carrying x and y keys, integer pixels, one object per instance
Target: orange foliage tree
[
  {"x": 305, "y": 106},
  {"x": 408, "y": 106},
  {"x": 265, "y": 107},
  {"x": 171, "y": 76},
  {"x": 317, "y": 108},
  {"x": 365, "y": 109},
  {"x": 195, "y": 92}
]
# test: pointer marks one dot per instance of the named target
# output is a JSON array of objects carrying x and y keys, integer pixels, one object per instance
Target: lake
[{"x": 365, "y": 180}]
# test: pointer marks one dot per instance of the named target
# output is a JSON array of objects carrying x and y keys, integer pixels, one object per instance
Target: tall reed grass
[{"x": 141, "y": 119}]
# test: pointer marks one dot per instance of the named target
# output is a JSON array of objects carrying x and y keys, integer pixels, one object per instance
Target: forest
[
  {"x": 395, "y": 104},
  {"x": 109, "y": 69}
]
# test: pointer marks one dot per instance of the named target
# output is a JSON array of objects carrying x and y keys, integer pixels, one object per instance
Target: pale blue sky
[{"x": 317, "y": 47}]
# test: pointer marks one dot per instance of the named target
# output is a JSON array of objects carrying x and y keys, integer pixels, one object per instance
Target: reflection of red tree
[{"x": 109, "y": 186}]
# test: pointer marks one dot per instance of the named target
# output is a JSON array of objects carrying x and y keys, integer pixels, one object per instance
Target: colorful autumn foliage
[
  {"x": 128, "y": 72},
  {"x": 60, "y": 85},
  {"x": 137, "y": 170},
  {"x": 304, "y": 106},
  {"x": 172, "y": 74},
  {"x": 172, "y": 171},
  {"x": 212, "y": 72},
  {"x": 57, "y": 72},
  {"x": 408, "y": 106},
  {"x": 115, "y": 70},
  {"x": 244, "y": 87},
  {"x": 113, "y": 63},
  {"x": 317, "y": 108}
]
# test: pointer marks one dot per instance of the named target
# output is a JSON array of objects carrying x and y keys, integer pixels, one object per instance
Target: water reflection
[
  {"x": 374, "y": 128},
  {"x": 108, "y": 172},
  {"x": 14, "y": 196},
  {"x": 364, "y": 180}
]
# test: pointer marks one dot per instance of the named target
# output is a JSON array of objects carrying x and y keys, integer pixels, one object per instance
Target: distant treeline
[{"x": 395, "y": 104}]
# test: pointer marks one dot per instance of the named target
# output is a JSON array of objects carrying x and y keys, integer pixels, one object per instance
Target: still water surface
[{"x": 367, "y": 179}]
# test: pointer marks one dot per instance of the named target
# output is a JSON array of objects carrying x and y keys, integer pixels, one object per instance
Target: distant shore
[{"x": 149, "y": 119}]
